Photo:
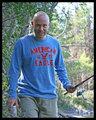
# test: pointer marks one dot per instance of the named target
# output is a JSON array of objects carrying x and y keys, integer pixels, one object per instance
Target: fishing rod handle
[{"x": 66, "y": 93}]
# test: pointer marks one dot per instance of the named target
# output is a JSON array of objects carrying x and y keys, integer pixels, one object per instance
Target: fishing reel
[{"x": 80, "y": 92}]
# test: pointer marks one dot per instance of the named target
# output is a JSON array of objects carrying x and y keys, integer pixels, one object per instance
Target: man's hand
[
  {"x": 71, "y": 88},
  {"x": 11, "y": 102}
]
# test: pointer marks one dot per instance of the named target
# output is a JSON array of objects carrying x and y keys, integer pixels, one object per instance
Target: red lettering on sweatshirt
[
  {"x": 44, "y": 56},
  {"x": 43, "y": 62},
  {"x": 42, "y": 49}
]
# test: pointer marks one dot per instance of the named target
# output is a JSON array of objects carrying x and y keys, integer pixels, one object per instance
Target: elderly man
[{"x": 37, "y": 55}]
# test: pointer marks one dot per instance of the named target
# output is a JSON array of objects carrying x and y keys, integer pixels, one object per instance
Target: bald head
[
  {"x": 40, "y": 25},
  {"x": 39, "y": 15}
]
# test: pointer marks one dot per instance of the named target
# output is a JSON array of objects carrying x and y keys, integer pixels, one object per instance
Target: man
[{"x": 37, "y": 55}]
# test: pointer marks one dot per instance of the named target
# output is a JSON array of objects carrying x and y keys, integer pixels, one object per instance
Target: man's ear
[{"x": 32, "y": 23}]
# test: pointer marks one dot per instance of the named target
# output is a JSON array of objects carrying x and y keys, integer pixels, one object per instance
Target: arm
[
  {"x": 14, "y": 70},
  {"x": 62, "y": 72}
]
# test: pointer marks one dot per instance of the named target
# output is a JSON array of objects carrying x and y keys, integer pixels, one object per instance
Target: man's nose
[{"x": 41, "y": 28}]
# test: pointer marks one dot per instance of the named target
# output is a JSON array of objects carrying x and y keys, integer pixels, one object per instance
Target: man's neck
[{"x": 37, "y": 37}]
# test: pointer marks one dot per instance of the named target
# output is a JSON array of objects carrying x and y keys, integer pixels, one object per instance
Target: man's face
[{"x": 40, "y": 25}]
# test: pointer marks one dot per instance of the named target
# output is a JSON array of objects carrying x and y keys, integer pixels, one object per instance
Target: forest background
[{"x": 72, "y": 23}]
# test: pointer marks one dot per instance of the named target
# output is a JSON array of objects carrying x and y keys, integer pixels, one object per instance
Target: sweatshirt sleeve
[
  {"x": 61, "y": 69},
  {"x": 14, "y": 69}
]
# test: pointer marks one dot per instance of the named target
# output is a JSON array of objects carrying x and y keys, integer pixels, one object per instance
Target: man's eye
[
  {"x": 37, "y": 25},
  {"x": 44, "y": 25}
]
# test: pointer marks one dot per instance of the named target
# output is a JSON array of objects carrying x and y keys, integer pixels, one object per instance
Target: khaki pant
[{"x": 34, "y": 107}]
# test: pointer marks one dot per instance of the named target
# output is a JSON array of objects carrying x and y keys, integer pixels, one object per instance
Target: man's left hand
[{"x": 71, "y": 88}]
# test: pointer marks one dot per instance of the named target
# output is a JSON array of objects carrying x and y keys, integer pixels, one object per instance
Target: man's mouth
[{"x": 41, "y": 33}]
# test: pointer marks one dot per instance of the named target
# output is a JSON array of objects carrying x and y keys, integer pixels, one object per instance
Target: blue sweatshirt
[{"x": 37, "y": 61}]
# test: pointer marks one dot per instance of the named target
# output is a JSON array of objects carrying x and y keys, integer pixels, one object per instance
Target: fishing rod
[{"x": 80, "y": 83}]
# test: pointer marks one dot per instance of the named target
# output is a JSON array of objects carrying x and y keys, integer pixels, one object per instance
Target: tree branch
[
  {"x": 63, "y": 30},
  {"x": 75, "y": 45}
]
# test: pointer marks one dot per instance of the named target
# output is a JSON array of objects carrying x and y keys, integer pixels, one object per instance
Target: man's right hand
[{"x": 11, "y": 102}]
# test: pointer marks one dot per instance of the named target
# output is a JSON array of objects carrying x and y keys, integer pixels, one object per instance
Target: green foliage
[
  {"x": 73, "y": 68},
  {"x": 65, "y": 52},
  {"x": 85, "y": 63}
]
